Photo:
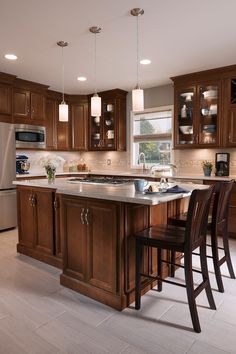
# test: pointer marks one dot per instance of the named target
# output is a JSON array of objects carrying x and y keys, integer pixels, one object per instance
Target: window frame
[{"x": 131, "y": 140}]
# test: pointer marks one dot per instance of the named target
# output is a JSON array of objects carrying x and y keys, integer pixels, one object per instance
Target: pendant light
[
  {"x": 96, "y": 104},
  {"x": 63, "y": 107},
  {"x": 137, "y": 92}
]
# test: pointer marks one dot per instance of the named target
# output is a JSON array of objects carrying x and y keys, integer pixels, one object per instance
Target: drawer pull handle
[
  {"x": 82, "y": 216},
  {"x": 86, "y": 217}
]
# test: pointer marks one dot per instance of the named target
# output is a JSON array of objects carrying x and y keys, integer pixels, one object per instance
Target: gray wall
[{"x": 159, "y": 96}]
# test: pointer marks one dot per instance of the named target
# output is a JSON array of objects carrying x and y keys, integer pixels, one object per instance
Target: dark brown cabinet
[
  {"x": 90, "y": 234},
  {"x": 108, "y": 132},
  {"x": 28, "y": 105},
  {"x": 39, "y": 236},
  {"x": 5, "y": 103},
  {"x": 79, "y": 124},
  {"x": 58, "y": 137},
  {"x": 198, "y": 111}
]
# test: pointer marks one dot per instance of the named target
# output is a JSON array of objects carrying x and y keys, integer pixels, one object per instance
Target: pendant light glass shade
[
  {"x": 63, "y": 107},
  {"x": 137, "y": 93},
  {"x": 96, "y": 102},
  {"x": 137, "y": 100},
  {"x": 63, "y": 112},
  {"x": 96, "y": 105}
]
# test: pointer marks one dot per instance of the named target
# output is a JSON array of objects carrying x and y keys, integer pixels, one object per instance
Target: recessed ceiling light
[
  {"x": 145, "y": 61},
  {"x": 81, "y": 78},
  {"x": 10, "y": 56}
]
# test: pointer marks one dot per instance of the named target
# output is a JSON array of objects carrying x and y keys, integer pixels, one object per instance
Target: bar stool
[
  {"x": 177, "y": 239},
  {"x": 218, "y": 227}
]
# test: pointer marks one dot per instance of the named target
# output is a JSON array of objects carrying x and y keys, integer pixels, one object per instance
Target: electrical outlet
[{"x": 108, "y": 162}]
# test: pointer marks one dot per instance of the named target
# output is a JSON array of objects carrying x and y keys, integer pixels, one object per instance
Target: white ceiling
[{"x": 179, "y": 36}]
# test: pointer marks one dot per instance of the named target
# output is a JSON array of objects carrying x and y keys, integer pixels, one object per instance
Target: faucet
[{"x": 142, "y": 156}]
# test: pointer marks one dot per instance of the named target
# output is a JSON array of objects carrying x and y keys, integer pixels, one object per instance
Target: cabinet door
[
  {"x": 37, "y": 106},
  {"x": 25, "y": 217},
  {"x": 51, "y": 140},
  {"x": 57, "y": 230},
  {"x": 21, "y": 103},
  {"x": 79, "y": 122},
  {"x": 109, "y": 111},
  {"x": 43, "y": 205},
  {"x": 5, "y": 102},
  {"x": 103, "y": 223},
  {"x": 74, "y": 238},
  {"x": 208, "y": 113},
  {"x": 231, "y": 125},
  {"x": 185, "y": 117}
]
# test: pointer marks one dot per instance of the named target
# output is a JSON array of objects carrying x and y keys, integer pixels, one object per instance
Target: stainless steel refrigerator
[{"x": 8, "y": 214}]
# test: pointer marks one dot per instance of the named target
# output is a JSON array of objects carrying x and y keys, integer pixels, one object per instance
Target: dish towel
[{"x": 176, "y": 189}]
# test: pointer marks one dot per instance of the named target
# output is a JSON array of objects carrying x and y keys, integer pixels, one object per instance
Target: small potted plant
[{"x": 207, "y": 167}]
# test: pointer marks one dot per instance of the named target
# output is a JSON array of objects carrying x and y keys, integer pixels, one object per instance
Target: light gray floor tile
[{"x": 199, "y": 347}]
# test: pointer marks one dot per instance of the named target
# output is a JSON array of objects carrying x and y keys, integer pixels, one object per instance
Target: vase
[
  {"x": 207, "y": 171},
  {"x": 50, "y": 172}
]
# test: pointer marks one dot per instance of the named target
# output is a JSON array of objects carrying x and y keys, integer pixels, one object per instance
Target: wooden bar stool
[
  {"x": 218, "y": 227},
  {"x": 177, "y": 239}
]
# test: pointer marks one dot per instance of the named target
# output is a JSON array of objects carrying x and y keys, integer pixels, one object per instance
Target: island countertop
[{"x": 122, "y": 193}]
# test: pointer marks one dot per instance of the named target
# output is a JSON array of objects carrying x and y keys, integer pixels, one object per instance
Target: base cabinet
[
  {"x": 90, "y": 232},
  {"x": 38, "y": 236}
]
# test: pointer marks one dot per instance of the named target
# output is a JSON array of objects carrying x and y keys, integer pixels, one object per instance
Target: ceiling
[{"x": 178, "y": 36}]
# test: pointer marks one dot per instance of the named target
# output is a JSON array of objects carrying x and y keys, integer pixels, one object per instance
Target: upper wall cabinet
[
  {"x": 205, "y": 109},
  {"x": 57, "y": 133},
  {"x": 29, "y": 102},
  {"x": 79, "y": 122},
  {"x": 6, "y": 84},
  {"x": 108, "y": 132}
]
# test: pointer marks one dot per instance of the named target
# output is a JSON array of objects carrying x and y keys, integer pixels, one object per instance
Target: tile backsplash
[{"x": 187, "y": 161}]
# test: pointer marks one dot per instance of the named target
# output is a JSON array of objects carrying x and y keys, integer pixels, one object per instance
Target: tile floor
[{"x": 38, "y": 316}]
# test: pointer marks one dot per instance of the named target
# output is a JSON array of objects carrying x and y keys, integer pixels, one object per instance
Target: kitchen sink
[{"x": 100, "y": 180}]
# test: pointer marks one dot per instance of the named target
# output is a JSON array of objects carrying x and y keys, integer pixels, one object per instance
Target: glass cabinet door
[
  {"x": 95, "y": 132},
  {"x": 208, "y": 112},
  {"x": 109, "y": 110},
  {"x": 185, "y": 120}
]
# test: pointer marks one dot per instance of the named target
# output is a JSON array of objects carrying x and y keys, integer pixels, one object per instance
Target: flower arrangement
[
  {"x": 207, "y": 167},
  {"x": 50, "y": 163},
  {"x": 207, "y": 164}
]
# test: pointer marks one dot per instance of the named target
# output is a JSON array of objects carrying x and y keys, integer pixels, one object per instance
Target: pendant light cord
[
  {"x": 95, "y": 63},
  {"x": 137, "y": 51},
  {"x": 63, "y": 75}
]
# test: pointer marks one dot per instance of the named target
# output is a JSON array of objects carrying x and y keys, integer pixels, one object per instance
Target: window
[{"x": 151, "y": 134}]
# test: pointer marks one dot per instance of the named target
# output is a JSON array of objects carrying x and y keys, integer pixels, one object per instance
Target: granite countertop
[
  {"x": 140, "y": 174},
  {"x": 122, "y": 193}
]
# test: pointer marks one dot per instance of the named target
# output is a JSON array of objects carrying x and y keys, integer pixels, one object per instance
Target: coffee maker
[
  {"x": 222, "y": 164},
  {"x": 22, "y": 164}
]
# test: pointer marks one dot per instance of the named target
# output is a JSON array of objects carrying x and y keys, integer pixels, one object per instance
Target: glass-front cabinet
[
  {"x": 197, "y": 110},
  {"x": 108, "y": 132},
  {"x": 102, "y": 132}
]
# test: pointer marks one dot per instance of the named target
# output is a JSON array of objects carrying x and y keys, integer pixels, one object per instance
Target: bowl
[
  {"x": 210, "y": 94},
  {"x": 213, "y": 109},
  {"x": 186, "y": 129}
]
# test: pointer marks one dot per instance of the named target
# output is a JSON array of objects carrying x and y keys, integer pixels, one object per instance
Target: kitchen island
[{"x": 87, "y": 230}]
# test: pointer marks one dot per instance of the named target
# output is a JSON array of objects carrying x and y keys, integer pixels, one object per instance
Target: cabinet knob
[
  {"x": 86, "y": 216},
  {"x": 82, "y": 216}
]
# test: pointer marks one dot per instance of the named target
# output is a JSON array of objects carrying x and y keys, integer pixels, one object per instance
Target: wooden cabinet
[
  {"x": 79, "y": 124},
  {"x": 108, "y": 132},
  {"x": 57, "y": 133},
  {"x": 90, "y": 234},
  {"x": 5, "y": 103},
  {"x": 28, "y": 105},
  {"x": 198, "y": 111},
  {"x": 38, "y": 235}
]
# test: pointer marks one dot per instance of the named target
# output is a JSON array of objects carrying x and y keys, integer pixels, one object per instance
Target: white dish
[
  {"x": 187, "y": 96},
  {"x": 210, "y": 94},
  {"x": 186, "y": 129}
]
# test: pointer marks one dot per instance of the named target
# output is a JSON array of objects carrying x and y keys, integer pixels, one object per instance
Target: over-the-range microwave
[{"x": 30, "y": 136}]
